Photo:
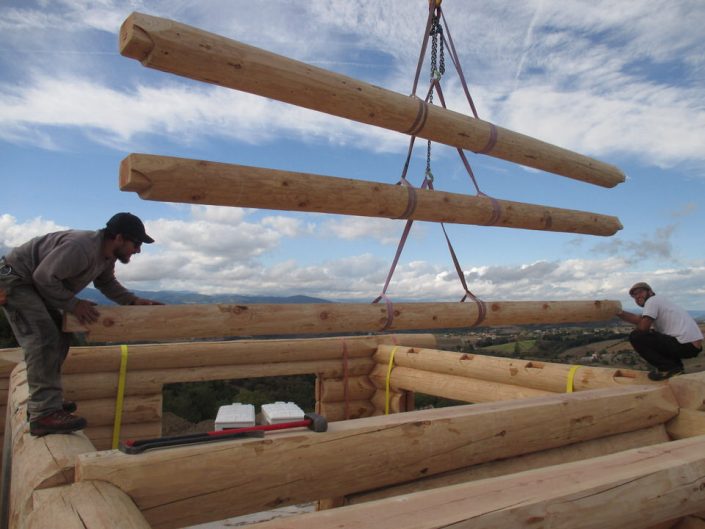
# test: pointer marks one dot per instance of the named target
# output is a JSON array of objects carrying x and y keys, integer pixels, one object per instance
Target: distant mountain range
[
  {"x": 698, "y": 315},
  {"x": 177, "y": 297}
]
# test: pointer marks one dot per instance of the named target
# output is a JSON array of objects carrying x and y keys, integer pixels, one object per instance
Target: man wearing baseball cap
[
  {"x": 664, "y": 334},
  {"x": 39, "y": 279}
]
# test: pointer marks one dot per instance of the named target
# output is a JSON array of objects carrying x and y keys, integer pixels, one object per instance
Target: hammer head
[{"x": 318, "y": 422}]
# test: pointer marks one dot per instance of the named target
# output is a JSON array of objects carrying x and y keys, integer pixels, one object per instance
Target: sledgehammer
[{"x": 313, "y": 421}]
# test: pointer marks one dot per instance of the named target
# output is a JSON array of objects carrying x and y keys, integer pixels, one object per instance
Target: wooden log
[
  {"x": 668, "y": 524},
  {"x": 9, "y": 358},
  {"x": 528, "y": 373},
  {"x": 37, "y": 462},
  {"x": 170, "y": 179},
  {"x": 85, "y": 505},
  {"x": 166, "y": 322},
  {"x": 183, "y": 50},
  {"x": 92, "y": 359},
  {"x": 689, "y": 390},
  {"x": 397, "y": 401},
  {"x": 451, "y": 386},
  {"x": 688, "y": 423},
  {"x": 102, "y": 436},
  {"x": 135, "y": 409},
  {"x": 104, "y": 385},
  {"x": 556, "y": 456},
  {"x": 433, "y": 441},
  {"x": 691, "y": 522},
  {"x": 356, "y": 409},
  {"x": 638, "y": 488},
  {"x": 334, "y": 389}
]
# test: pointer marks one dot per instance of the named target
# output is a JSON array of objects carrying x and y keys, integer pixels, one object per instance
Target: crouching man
[{"x": 665, "y": 333}]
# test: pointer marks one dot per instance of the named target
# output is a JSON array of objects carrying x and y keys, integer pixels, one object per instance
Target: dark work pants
[
  {"x": 38, "y": 331},
  {"x": 660, "y": 350}
]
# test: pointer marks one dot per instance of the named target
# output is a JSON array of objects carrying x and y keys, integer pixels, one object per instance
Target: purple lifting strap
[
  {"x": 415, "y": 128},
  {"x": 420, "y": 120},
  {"x": 491, "y": 141},
  {"x": 411, "y": 203}
]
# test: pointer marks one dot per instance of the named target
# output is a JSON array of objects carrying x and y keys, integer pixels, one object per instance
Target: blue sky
[{"x": 621, "y": 82}]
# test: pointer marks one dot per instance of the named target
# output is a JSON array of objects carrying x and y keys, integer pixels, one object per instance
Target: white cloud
[
  {"x": 571, "y": 76},
  {"x": 178, "y": 113},
  {"x": 13, "y": 233},
  {"x": 386, "y": 231},
  {"x": 219, "y": 256}
]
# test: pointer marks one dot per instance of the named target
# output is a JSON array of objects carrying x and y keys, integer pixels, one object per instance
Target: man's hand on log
[
  {"x": 85, "y": 311},
  {"x": 143, "y": 301}
]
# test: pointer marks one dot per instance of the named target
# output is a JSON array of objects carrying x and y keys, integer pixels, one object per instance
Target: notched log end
[
  {"x": 135, "y": 42},
  {"x": 132, "y": 179}
]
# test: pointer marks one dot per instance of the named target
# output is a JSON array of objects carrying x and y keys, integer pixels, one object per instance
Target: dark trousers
[
  {"x": 660, "y": 350},
  {"x": 38, "y": 331}
]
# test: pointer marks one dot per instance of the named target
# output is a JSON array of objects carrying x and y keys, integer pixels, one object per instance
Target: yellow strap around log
[
  {"x": 571, "y": 379},
  {"x": 389, "y": 376},
  {"x": 120, "y": 396}
]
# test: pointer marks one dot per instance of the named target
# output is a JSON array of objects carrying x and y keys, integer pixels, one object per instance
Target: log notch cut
[
  {"x": 169, "y": 322},
  {"x": 172, "y": 179},
  {"x": 37, "y": 462},
  {"x": 433, "y": 441},
  {"x": 85, "y": 505},
  {"x": 642, "y": 487},
  {"x": 183, "y": 50}
]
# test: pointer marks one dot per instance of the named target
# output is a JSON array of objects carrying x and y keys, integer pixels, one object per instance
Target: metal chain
[{"x": 436, "y": 74}]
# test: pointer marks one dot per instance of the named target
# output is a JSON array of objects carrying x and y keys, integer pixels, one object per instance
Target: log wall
[{"x": 589, "y": 421}]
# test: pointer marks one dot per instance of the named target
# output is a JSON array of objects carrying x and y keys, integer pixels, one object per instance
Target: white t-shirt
[{"x": 672, "y": 320}]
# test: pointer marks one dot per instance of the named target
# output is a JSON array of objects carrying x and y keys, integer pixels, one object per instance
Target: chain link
[{"x": 437, "y": 71}]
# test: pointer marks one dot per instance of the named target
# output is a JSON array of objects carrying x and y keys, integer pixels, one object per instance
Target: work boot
[
  {"x": 58, "y": 421},
  {"x": 663, "y": 375},
  {"x": 68, "y": 406}
]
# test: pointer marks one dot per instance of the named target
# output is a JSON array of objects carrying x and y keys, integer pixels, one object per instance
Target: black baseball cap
[{"x": 130, "y": 226}]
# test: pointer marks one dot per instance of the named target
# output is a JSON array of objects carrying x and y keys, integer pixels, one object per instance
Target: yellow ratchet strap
[
  {"x": 389, "y": 376},
  {"x": 120, "y": 396},
  {"x": 571, "y": 379}
]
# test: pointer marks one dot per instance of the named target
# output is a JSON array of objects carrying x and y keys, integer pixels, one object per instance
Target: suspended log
[
  {"x": 183, "y": 50},
  {"x": 148, "y": 382},
  {"x": 451, "y": 386},
  {"x": 91, "y": 359},
  {"x": 555, "y": 456},
  {"x": 85, "y": 505},
  {"x": 637, "y": 488},
  {"x": 528, "y": 373},
  {"x": 423, "y": 442},
  {"x": 169, "y": 322},
  {"x": 171, "y": 179}
]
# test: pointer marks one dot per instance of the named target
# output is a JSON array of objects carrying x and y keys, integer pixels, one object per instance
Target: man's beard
[{"x": 124, "y": 259}]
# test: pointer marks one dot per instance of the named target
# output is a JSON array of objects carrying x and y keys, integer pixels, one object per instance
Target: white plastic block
[
  {"x": 236, "y": 415},
  {"x": 279, "y": 412}
]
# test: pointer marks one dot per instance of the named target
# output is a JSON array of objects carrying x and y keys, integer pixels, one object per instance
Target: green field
[{"x": 524, "y": 346}]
